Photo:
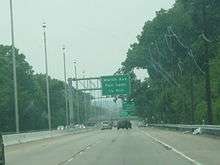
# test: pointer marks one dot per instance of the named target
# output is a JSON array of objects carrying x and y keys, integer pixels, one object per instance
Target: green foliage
[
  {"x": 178, "y": 48},
  {"x": 31, "y": 96},
  {"x": 32, "y": 99}
]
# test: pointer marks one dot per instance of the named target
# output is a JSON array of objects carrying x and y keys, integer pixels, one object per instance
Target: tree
[
  {"x": 176, "y": 48},
  {"x": 31, "y": 95}
]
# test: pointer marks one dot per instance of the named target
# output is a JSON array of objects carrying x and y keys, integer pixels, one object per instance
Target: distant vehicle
[
  {"x": 60, "y": 128},
  {"x": 2, "y": 153},
  {"x": 141, "y": 124},
  {"x": 115, "y": 124},
  {"x": 82, "y": 126},
  {"x": 106, "y": 125},
  {"x": 67, "y": 127},
  {"x": 124, "y": 124},
  {"x": 129, "y": 124},
  {"x": 91, "y": 124},
  {"x": 79, "y": 126}
]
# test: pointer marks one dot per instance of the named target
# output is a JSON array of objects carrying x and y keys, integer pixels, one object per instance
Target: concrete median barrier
[{"x": 13, "y": 139}]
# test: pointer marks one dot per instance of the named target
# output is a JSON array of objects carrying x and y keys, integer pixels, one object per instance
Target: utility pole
[
  {"x": 65, "y": 86},
  {"x": 100, "y": 103},
  {"x": 14, "y": 70},
  {"x": 70, "y": 96},
  {"x": 95, "y": 111},
  {"x": 47, "y": 81},
  {"x": 77, "y": 94},
  {"x": 101, "y": 110},
  {"x": 89, "y": 101},
  {"x": 84, "y": 98}
]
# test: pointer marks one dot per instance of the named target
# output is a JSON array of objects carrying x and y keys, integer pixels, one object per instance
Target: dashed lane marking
[
  {"x": 84, "y": 149},
  {"x": 77, "y": 153}
]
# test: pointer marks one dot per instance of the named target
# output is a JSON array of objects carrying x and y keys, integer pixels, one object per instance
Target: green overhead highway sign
[
  {"x": 128, "y": 105},
  {"x": 115, "y": 85},
  {"x": 126, "y": 113},
  {"x": 128, "y": 108},
  {"x": 123, "y": 114}
]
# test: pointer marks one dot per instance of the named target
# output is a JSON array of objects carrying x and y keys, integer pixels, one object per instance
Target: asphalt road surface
[{"x": 144, "y": 146}]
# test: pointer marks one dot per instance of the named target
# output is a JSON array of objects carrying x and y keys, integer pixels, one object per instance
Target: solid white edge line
[{"x": 173, "y": 149}]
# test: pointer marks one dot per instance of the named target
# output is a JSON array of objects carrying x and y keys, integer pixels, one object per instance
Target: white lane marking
[
  {"x": 173, "y": 149},
  {"x": 77, "y": 153},
  {"x": 87, "y": 147}
]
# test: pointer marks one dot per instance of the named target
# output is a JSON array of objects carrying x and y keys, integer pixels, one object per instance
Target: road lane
[
  {"x": 50, "y": 151},
  {"x": 128, "y": 147},
  {"x": 113, "y": 147},
  {"x": 204, "y": 149}
]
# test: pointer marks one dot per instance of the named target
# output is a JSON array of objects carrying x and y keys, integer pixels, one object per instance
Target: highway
[{"x": 138, "y": 146}]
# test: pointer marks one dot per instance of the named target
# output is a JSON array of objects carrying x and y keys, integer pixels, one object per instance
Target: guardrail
[
  {"x": 12, "y": 139},
  {"x": 207, "y": 129}
]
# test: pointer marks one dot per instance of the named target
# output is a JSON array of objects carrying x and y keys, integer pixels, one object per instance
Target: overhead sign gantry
[{"x": 110, "y": 86}]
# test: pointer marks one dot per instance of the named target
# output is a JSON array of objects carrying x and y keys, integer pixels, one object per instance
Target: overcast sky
[{"x": 96, "y": 33}]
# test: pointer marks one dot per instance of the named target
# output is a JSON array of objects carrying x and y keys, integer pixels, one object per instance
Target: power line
[
  {"x": 171, "y": 33},
  {"x": 162, "y": 70}
]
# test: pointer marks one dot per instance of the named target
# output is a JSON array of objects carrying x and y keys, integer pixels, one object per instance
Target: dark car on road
[
  {"x": 2, "y": 153},
  {"x": 124, "y": 124}
]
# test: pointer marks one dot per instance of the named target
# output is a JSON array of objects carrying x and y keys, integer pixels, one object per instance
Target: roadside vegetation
[{"x": 180, "y": 48}]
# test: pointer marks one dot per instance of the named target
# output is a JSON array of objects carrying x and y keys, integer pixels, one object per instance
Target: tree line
[
  {"x": 32, "y": 101},
  {"x": 180, "y": 50}
]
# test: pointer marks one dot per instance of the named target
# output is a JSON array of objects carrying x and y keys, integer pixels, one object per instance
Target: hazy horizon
[{"x": 97, "y": 39}]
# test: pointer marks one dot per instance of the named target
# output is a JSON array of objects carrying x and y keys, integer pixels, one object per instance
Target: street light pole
[
  {"x": 14, "y": 69},
  {"x": 65, "y": 86},
  {"x": 47, "y": 81},
  {"x": 84, "y": 99},
  {"x": 77, "y": 94}
]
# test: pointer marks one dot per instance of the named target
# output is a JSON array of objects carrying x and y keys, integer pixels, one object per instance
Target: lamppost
[
  {"x": 65, "y": 86},
  {"x": 14, "y": 69},
  {"x": 77, "y": 94},
  {"x": 47, "y": 81},
  {"x": 84, "y": 99}
]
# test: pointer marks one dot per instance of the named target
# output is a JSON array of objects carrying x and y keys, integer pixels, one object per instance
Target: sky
[{"x": 96, "y": 33}]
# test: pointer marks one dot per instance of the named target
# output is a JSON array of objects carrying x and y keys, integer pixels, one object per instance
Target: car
[
  {"x": 115, "y": 123},
  {"x": 91, "y": 124},
  {"x": 82, "y": 126},
  {"x": 129, "y": 124},
  {"x": 124, "y": 124},
  {"x": 106, "y": 125},
  {"x": 79, "y": 126},
  {"x": 141, "y": 124},
  {"x": 2, "y": 153},
  {"x": 60, "y": 128}
]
